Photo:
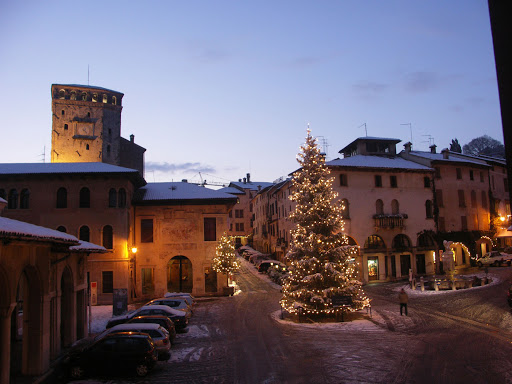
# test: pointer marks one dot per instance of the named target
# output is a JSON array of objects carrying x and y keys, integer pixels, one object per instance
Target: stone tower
[{"x": 86, "y": 127}]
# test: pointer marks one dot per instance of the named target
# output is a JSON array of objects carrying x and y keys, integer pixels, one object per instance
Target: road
[{"x": 457, "y": 337}]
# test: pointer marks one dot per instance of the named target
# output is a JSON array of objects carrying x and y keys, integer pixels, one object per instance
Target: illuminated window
[
  {"x": 84, "y": 96},
  {"x": 94, "y": 97},
  {"x": 73, "y": 95},
  {"x": 114, "y": 100},
  {"x": 62, "y": 94},
  {"x": 104, "y": 98}
]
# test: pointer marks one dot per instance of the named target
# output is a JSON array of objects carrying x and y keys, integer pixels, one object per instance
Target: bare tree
[{"x": 485, "y": 145}]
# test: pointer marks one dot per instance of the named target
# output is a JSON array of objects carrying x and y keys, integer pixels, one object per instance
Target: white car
[{"x": 494, "y": 258}]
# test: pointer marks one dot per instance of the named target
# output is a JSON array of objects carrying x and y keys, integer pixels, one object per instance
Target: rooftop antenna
[
  {"x": 365, "y": 131},
  {"x": 325, "y": 144},
  {"x": 430, "y": 140},
  {"x": 44, "y": 154},
  {"x": 410, "y": 128}
]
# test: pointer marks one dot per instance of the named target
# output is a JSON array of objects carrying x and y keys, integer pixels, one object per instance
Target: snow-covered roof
[
  {"x": 377, "y": 138},
  {"x": 231, "y": 190},
  {"x": 85, "y": 246},
  {"x": 3, "y": 201},
  {"x": 179, "y": 191},
  {"x": 251, "y": 185},
  {"x": 19, "y": 229},
  {"x": 47, "y": 168},
  {"x": 370, "y": 161},
  {"x": 453, "y": 157}
]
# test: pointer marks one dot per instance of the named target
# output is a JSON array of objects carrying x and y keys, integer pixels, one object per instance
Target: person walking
[{"x": 403, "y": 298}]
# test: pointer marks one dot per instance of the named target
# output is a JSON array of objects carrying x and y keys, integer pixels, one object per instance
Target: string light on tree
[
  {"x": 322, "y": 262},
  {"x": 225, "y": 260}
]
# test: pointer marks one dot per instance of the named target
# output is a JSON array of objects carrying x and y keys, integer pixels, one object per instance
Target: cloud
[
  {"x": 421, "y": 81},
  {"x": 369, "y": 89},
  {"x": 206, "y": 52},
  {"x": 175, "y": 168}
]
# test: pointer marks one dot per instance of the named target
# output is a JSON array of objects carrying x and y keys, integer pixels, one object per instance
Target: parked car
[
  {"x": 179, "y": 318},
  {"x": 175, "y": 303},
  {"x": 114, "y": 352},
  {"x": 159, "y": 335},
  {"x": 163, "y": 321},
  {"x": 187, "y": 296},
  {"x": 494, "y": 258},
  {"x": 266, "y": 264}
]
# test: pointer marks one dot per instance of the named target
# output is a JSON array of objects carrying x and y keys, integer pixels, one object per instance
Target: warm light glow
[
  {"x": 134, "y": 249},
  {"x": 502, "y": 218}
]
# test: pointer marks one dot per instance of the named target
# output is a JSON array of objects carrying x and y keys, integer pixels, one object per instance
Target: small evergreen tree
[
  {"x": 322, "y": 263},
  {"x": 225, "y": 260}
]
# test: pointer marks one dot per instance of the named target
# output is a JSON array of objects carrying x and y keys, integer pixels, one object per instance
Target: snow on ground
[
  {"x": 262, "y": 276},
  {"x": 100, "y": 315},
  {"x": 495, "y": 279}
]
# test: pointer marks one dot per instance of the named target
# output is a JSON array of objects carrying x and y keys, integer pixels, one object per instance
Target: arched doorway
[
  {"x": 66, "y": 308},
  {"x": 26, "y": 325},
  {"x": 179, "y": 274},
  {"x": 373, "y": 246}
]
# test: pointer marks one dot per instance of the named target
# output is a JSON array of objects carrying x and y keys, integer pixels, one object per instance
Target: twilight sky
[{"x": 228, "y": 87}]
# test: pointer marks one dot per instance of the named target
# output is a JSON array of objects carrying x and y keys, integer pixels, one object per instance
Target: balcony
[{"x": 390, "y": 221}]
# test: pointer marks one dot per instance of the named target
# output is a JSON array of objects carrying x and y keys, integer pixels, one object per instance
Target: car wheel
[
  {"x": 142, "y": 370},
  {"x": 76, "y": 372}
]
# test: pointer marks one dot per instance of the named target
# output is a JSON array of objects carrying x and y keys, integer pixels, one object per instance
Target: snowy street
[{"x": 449, "y": 337}]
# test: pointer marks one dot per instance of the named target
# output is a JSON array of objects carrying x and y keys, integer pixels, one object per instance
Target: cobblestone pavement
[{"x": 458, "y": 337}]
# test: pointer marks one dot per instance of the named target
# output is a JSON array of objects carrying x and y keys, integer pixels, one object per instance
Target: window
[
  {"x": 439, "y": 198},
  {"x": 108, "y": 150},
  {"x": 62, "y": 94},
  {"x": 230, "y": 213},
  {"x": 459, "y": 173},
  {"x": 395, "y": 207},
  {"x": 104, "y": 98},
  {"x": 148, "y": 281},
  {"x": 114, "y": 100},
  {"x": 507, "y": 207},
  {"x": 239, "y": 227},
  {"x": 108, "y": 237},
  {"x": 239, "y": 213},
  {"x": 210, "y": 229},
  {"x": 426, "y": 182},
  {"x": 84, "y": 96},
  {"x": 438, "y": 172},
  {"x": 345, "y": 211},
  {"x": 343, "y": 180},
  {"x": 107, "y": 281},
  {"x": 112, "y": 198},
  {"x": 12, "y": 199},
  {"x": 441, "y": 223},
  {"x": 484, "y": 200},
  {"x": 462, "y": 200},
  {"x": 88, "y": 114},
  {"x": 471, "y": 175},
  {"x": 146, "y": 230},
  {"x": 94, "y": 97},
  {"x": 378, "y": 180},
  {"x": 62, "y": 229},
  {"x": 505, "y": 184},
  {"x": 73, "y": 95},
  {"x": 481, "y": 177},
  {"x": 84, "y": 233},
  {"x": 66, "y": 127},
  {"x": 62, "y": 112},
  {"x": 2, "y": 194},
  {"x": 428, "y": 209},
  {"x": 62, "y": 198},
  {"x": 87, "y": 147},
  {"x": 24, "y": 199},
  {"x": 473, "y": 199},
  {"x": 464, "y": 223},
  {"x": 392, "y": 181},
  {"x": 379, "y": 207},
  {"x": 121, "y": 198},
  {"x": 85, "y": 198}
]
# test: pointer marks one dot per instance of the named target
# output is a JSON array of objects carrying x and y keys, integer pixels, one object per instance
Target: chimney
[
  {"x": 184, "y": 181},
  {"x": 245, "y": 180},
  {"x": 407, "y": 147},
  {"x": 248, "y": 177},
  {"x": 132, "y": 138},
  {"x": 445, "y": 153},
  {"x": 433, "y": 148}
]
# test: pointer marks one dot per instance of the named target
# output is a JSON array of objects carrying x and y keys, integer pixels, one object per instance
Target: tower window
[
  {"x": 104, "y": 98},
  {"x": 84, "y": 96},
  {"x": 62, "y": 94},
  {"x": 94, "y": 97},
  {"x": 87, "y": 147},
  {"x": 65, "y": 127},
  {"x": 108, "y": 150},
  {"x": 88, "y": 114},
  {"x": 114, "y": 100},
  {"x": 73, "y": 95},
  {"x": 62, "y": 112}
]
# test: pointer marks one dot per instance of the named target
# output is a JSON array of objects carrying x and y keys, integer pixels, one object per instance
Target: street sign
[{"x": 341, "y": 301}]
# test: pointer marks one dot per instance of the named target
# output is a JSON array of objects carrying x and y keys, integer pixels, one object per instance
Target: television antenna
[
  {"x": 365, "y": 130},
  {"x": 410, "y": 128}
]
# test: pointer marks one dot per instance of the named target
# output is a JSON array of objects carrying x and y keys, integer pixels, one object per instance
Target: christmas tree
[
  {"x": 225, "y": 261},
  {"x": 322, "y": 262}
]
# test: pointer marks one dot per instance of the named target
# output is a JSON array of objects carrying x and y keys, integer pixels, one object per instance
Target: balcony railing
[{"x": 390, "y": 221}]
